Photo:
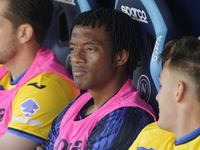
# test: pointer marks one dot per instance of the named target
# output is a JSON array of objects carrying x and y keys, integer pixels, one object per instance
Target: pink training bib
[
  {"x": 45, "y": 61},
  {"x": 73, "y": 134}
]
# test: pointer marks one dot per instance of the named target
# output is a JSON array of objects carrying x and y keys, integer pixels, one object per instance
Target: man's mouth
[{"x": 78, "y": 71}]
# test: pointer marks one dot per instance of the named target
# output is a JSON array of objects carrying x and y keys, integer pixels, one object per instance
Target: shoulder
[
  {"x": 135, "y": 113},
  {"x": 52, "y": 78},
  {"x": 50, "y": 86},
  {"x": 118, "y": 129},
  {"x": 133, "y": 118},
  {"x": 154, "y": 138},
  {"x": 153, "y": 127},
  {"x": 152, "y": 131},
  {"x": 62, "y": 83}
]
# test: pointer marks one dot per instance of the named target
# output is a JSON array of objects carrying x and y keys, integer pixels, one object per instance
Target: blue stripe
[
  {"x": 26, "y": 135},
  {"x": 17, "y": 79},
  {"x": 188, "y": 137},
  {"x": 1, "y": 87},
  {"x": 116, "y": 2},
  {"x": 84, "y": 5},
  {"x": 143, "y": 148},
  {"x": 161, "y": 31}
]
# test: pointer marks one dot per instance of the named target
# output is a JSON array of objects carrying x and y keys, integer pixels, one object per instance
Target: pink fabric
[
  {"x": 45, "y": 61},
  {"x": 73, "y": 131}
]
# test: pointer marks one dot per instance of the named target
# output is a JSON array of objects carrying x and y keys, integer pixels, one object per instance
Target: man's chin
[{"x": 80, "y": 85}]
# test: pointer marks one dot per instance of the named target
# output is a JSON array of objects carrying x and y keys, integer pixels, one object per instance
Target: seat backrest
[{"x": 155, "y": 26}]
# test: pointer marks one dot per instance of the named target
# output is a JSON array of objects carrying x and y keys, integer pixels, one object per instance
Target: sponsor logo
[
  {"x": 35, "y": 85},
  {"x": 71, "y": 2},
  {"x": 29, "y": 108},
  {"x": 2, "y": 112},
  {"x": 155, "y": 51},
  {"x": 31, "y": 122},
  {"x": 144, "y": 87},
  {"x": 135, "y": 13}
]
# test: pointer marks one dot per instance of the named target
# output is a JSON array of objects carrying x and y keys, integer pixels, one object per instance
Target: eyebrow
[
  {"x": 71, "y": 43},
  {"x": 90, "y": 42},
  {"x": 86, "y": 43}
]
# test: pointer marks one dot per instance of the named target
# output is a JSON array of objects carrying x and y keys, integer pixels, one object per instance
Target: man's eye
[
  {"x": 90, "y": 49},
  {"x": 71, "y": 49}
]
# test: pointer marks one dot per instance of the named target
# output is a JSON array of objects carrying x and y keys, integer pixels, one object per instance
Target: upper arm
[
  {"x": 10, "y": 141},
  {"x": 35, "y": 106},
  {"x": 118, "y": 129}
]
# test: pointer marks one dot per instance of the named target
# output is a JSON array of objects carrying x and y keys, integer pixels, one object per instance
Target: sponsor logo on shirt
[
  {"x": 31, "y": 122},
  {"x": 35, "y": 85},
  {"x": 29, "y": 108}
]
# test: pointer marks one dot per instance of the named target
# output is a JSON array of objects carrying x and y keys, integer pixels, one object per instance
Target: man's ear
[
  {"x": 180, "y": 89},
  {"x": 121, "y": 60},
  {"x": 25, "y": 32}
]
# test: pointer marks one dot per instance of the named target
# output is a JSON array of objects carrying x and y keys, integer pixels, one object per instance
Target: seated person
[
  {"x": 178, "y": 126},
  {"x": 34, "y": 86},
  {"x": 104, "y": 46}
]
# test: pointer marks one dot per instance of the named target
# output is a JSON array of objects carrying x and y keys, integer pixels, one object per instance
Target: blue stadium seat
[{"x": 156, "y": 27}]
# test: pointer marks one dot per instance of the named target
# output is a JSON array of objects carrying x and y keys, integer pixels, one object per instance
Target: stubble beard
[{"x": 9, "y": 51}]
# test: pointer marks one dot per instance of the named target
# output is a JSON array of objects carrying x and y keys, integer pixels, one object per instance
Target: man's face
[
  {"x": 166, "y": 98},
  {"x": 7, "y": 36},
  {"x": 91, "y": 57}
]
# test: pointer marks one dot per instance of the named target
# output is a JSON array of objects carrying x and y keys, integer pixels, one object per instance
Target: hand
[{"x": 39, "y": 148}]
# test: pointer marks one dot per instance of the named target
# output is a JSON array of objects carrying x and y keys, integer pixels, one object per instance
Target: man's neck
[
  {"x": 188, "y": 122},
  {"x": 102, "y": 95}
]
